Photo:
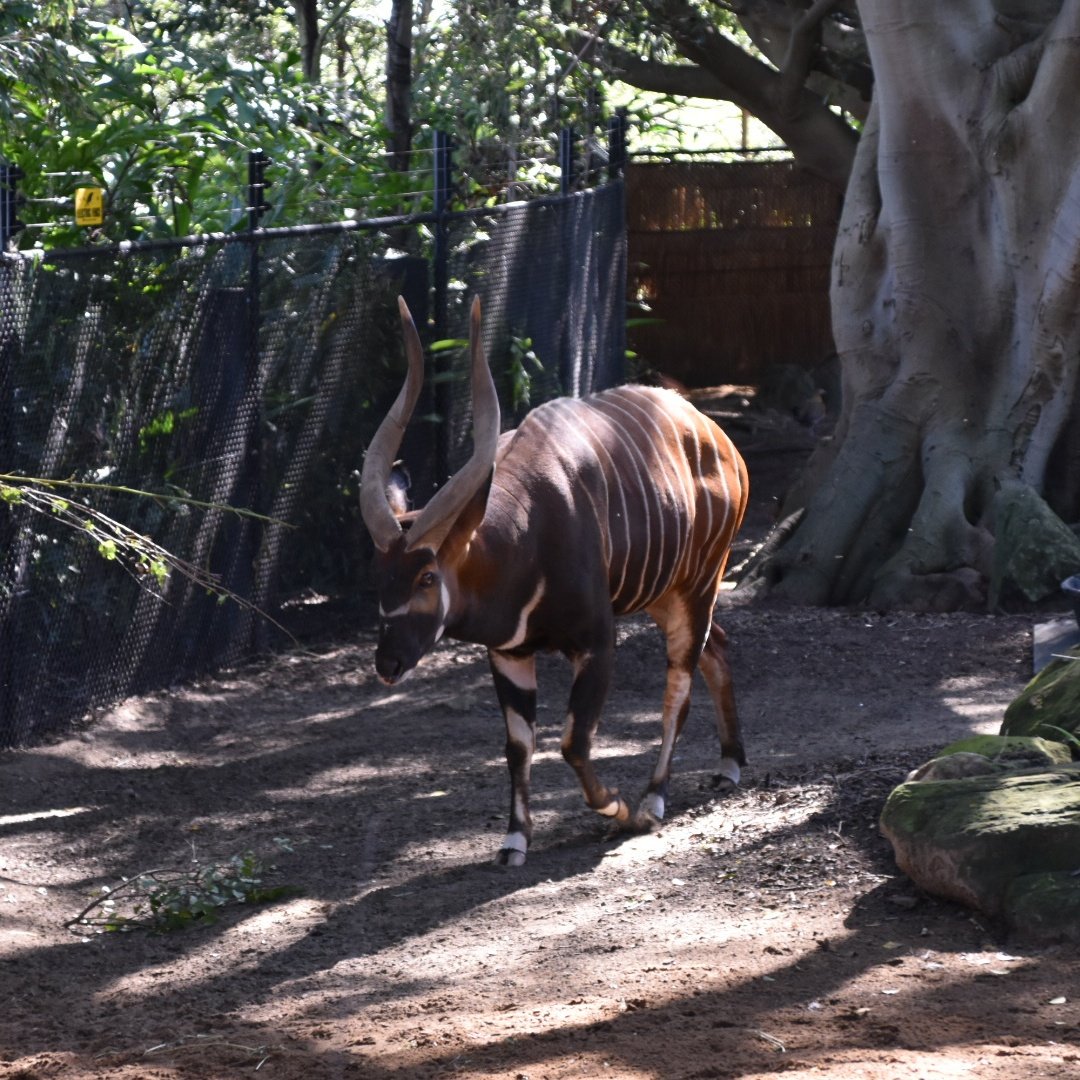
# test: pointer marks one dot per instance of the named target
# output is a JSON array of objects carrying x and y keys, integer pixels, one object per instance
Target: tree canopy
[{"x": 159, "y": 101}]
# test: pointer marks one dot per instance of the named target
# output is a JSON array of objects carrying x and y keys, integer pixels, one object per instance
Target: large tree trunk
[{"x": 956, "y": 306}]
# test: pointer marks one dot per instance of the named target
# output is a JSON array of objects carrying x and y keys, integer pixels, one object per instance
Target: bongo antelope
[{"x": 623, "y": 501}]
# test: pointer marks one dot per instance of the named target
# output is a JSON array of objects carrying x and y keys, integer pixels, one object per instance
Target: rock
[
  {"x": 971, "y": 840},
  {"x": 1049, "y": 704},
  {"x": 1045, "y": 907},
  {"x": 980, "y": 755},
  {"x": 1034, "y": 550},
  {"x": 1013, "y": 751},
  {"x": 953, "y": 766}
]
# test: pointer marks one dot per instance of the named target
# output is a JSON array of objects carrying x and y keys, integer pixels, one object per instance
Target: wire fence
[{"x": 249, "y": 370}]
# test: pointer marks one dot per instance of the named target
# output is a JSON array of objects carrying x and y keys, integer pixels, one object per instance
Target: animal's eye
[{"x": 426, "y": 579}]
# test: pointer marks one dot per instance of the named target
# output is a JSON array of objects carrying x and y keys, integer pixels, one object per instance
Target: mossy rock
[
  {"x": 969, "y": 840},
  {"x": 1012, "y": 751},
  {"x": 979, "y": 755},
  {"x": 1044, "y": 907},
  {"x": 1050, "y": 703}
]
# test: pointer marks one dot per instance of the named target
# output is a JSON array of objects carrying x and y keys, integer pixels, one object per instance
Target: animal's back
[{"x": 664, "y": 483}]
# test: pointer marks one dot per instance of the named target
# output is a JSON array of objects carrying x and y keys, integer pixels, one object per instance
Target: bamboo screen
[{"x": 733, "y": 263}]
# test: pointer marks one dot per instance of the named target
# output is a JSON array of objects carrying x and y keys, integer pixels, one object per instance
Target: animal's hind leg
[
  {"x": 685, "y": 631},
  {"x": 717, "y": 673}
]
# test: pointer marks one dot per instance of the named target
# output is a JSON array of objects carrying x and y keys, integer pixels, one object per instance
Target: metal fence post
[
  {"x": 617, "y": 146},
  {"x": 567, "y": 138},
  {"x": 257, "y": 205},
  {"x": 443, "y": 184},
  {"x": 10, "y": 175},
  {"x": 441, "y": 273}
]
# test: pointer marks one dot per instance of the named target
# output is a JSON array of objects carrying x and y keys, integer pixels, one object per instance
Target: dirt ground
[{"x": 755, "y": 934}]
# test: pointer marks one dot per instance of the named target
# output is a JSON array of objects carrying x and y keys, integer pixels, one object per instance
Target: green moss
[
  {"x": 1049, "y": 704},
  {"x": 969, "y": 839},
  {"x": 1025, "y": 750}
]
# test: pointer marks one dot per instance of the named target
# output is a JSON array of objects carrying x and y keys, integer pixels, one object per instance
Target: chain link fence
[{"x": 249, "y": 371}]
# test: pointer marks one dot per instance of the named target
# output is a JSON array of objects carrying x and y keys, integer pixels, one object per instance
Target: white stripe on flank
[
  {"x": 575, "y": 426},
  {"x": 633, "y": 459},
  {"x": 595, "y": 429},
  {"x": 520, "y": 633},
  {"x": 671, "y": 462},
  {"x": 638, "y": 419}
]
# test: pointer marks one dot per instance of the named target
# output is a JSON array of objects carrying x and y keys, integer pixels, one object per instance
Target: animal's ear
[
  {"x": 397, "y": 490},
  {"x": 468, "y": 521}
]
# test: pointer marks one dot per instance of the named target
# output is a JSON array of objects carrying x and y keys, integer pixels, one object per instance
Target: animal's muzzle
[{"x": 390, "y": 669}]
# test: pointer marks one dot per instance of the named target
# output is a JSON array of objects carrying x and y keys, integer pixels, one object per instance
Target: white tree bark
[{"x": 956, "y": 295}]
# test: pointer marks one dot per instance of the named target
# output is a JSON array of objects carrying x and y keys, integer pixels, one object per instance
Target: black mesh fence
[
  {"x": 553, "y": 287},
  {"x": 229, "y": 372}
]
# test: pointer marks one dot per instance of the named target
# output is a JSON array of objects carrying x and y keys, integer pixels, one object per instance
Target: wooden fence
[{"x": 734, "y": 261}]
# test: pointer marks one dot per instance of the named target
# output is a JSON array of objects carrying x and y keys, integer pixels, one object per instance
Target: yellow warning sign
[{"x": 89, "y": 206}]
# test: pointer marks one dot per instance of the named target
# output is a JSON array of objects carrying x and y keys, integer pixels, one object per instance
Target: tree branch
[
  {"x": 687, "y": 80},
  {"x": 820, "y": 140}
]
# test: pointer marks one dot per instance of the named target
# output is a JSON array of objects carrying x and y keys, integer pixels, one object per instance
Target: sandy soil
[{"x": 759, "y": 933}]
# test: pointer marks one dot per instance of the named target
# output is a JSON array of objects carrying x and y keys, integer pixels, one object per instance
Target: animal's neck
[{"x": 489, "y": 573}]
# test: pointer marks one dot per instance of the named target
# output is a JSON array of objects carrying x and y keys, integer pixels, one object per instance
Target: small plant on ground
[{"x": 163, "y": 900}]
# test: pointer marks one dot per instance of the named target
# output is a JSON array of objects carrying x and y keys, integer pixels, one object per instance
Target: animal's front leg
[
  {"x": 515, "y": 685},
  {"x": 592, "y": 677}
]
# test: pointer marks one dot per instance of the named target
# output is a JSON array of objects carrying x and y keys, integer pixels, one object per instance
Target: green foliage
[
  {"x": 499, "y": 78},
  {"x": 161, "y": 108},
  {"x": 165, "y": 424},
  {"x": 524, "y": 364},
  {"x": 521, "y": 367},
  {"x": 163, "y": 122},
  {"x": 146, "y": 560},
  {"x": 165, "y": 900}
]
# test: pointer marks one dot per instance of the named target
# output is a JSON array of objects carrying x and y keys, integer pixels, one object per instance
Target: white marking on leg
[
  {"x": 653, "y": 805},
  {"x": 514, "y": 849},
  {"x": 520, "y": 633},
  {"x": 611, "y": 809},
  {"x": 520, "y": 731},
  {"x": 521, "y": 671},
  {"x": 729, "y": 770}
]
